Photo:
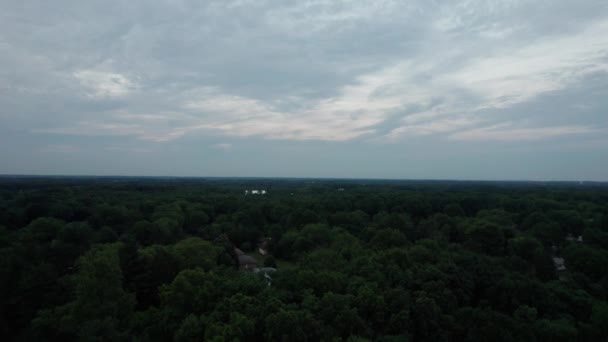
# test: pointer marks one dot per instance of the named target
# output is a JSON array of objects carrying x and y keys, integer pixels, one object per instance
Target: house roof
[{"x": 246, "y": 259}]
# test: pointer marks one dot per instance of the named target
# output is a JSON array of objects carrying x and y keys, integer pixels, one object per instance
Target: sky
[{"x": 426, "y": 89}]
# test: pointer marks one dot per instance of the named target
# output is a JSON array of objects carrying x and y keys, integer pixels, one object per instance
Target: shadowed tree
[{"x": 100, "y": 309}]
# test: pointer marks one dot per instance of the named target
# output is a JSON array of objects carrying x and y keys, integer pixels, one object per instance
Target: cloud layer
[{"x": 371, "y": 72}]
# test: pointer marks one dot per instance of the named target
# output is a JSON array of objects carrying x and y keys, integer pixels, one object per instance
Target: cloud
[
  {"x": 432, "y": 127},
  {"x": 313, "y": 70},
  {"x": 104, "y": 84},
  {"x": 480, "y": 85},
  {"x": 506, "y": 132},
  {"x": 539, "y": 67},
  {"x": 350, "y": 114},
  {"x": 129, "y": 149},
  {"x": 222, "y": 146}
]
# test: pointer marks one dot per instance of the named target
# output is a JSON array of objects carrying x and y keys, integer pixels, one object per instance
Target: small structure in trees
[
  {"x": 571, "y": 238},
  {"x": 263, "y": 246},
  {"x": 247, "y": 262},
  {"x": 255, "y": 192},
  {"x": 559, "y": 264}
]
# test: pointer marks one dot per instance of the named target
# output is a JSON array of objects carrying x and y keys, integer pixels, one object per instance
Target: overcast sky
[{"x": 375, "y": 89}]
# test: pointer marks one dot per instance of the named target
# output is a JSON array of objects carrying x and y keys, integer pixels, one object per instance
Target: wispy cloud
[
  {"x": 104, "y": 84},
  {"x": 222, "y": 146},
  {"x": 507, "y": 132},
  {"x": 129, "y": 149},
  {"x": 432, "y": 127},
  {"x": 536, "y": 68},
  {"x": 496, "y": 82}
]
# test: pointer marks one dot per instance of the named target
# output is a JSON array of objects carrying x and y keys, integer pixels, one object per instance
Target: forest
[{"x": 193, "y": 259}]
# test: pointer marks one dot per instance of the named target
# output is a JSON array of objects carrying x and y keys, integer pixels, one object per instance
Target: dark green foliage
[
  {"x": 292, "y": 325},
  {"x": 453, "y": 209},
  {"x": 270, "y": 262},
  {"x": 99, "y": 309},
  {"x": 484, "y": 237},
  {"x": 157, "y": 260},
  {"x": 590, "y": 261},
  {"x": 388, "y": 237}
]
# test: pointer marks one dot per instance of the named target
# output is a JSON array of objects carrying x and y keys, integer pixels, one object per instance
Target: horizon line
[{"x": 298, "y": 178}]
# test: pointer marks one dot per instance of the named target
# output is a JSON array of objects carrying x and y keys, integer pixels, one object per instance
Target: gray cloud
[{"x": 385, "y": 71}]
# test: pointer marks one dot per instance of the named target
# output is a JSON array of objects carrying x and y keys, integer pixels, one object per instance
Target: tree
[
  {"x": 191, "y": 292},
  {"x": 386, "y": 238},
  {"x": 340, "y": 316},
  {"x": 427, "y": 320},
  {"x": 454, "y": 210},
  {"x": 196, "y": 220},
  {"x": 587, "y": 260},
  {"x": 555, "y": 330},
  {"x": 599, "y": 320},
  {"x": 192, "y": 328},
  {"x": 238, "y": 328},
  {"x": 292, "y": 325},
  {"x": 110, "y": 215},
  {"x": 485, "y": 237},
  {"x": 40, "y": 230},
  {"x": 270, "y": 262},
  {"x": 549, "y": 233},
  {"x": 300, "y": 217},
  {"x": 153, "y": 266},
  {"x": 100, "y": 309},
  {"x": 352, "y": 221},
  {"x": 195, "y": 252},
  {"x": 525, "y": 247},
  {"x": 5, "y": 237},
  {"x": 479, "y": 324}
]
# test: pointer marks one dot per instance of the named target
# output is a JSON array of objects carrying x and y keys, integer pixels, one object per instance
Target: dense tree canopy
[{"x": 121, "y": 259}]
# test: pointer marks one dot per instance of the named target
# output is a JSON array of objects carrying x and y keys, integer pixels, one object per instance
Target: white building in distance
[{"x": 255, "y": 192}]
